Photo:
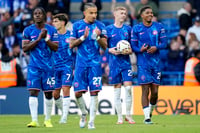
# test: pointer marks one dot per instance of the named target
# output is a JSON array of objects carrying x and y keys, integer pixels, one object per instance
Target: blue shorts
[
  {"x": 88, "y": 76},
  {"x": 148, "y": 74},
  {"x": 40, "y": 79},
  {"x": 63, "y": 77},
  {"x": 118, "y": 75}
]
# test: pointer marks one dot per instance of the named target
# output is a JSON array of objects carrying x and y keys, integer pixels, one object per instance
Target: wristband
[
  {"x": 98, "y": 37},
  {"x": 82, "y": 38},
  {"x": 47, "y": 38}
]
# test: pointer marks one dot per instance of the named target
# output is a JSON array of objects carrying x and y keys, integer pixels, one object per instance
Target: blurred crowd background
[{"x": 180, "y": 18}]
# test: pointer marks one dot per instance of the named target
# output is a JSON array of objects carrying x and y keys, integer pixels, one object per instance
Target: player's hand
[
  {"x": 43, "y": 33},
  {"x": 144, "y": 48},
  {"x": 97, "y": 31},
  {"x": 86, "y": 33},
  {"x": 114, "y": 51},
  {"x": 152, "y": 49}
]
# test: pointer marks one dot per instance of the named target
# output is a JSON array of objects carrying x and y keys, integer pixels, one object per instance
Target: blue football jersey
[
  {"x": 88, "y": 54},
  {"x": 114, "y": 35},
  {"x": 63, "y": 56},
  {"x": 153, "y": 35},
  {"x": 41, "y": 54}
]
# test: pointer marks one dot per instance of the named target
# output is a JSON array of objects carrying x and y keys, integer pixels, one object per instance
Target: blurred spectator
[
  {"x": 176, "y": 55},
  {"x": 96, "y": 2},
  {"x": 53, "y": 7},
  {"x": 195, "y": 29},
  {"x": 21, "y": 58},
  {"x": 191, "y": 36},
  {"x": 185, "y": 18},
  {"x": 145, "y": 3},
  {"x": 192, "y": 47},
  {"x": 130, "y": 9},
  {"x": 156, "y": 2},
  {"x": 66, "y": 4},
  {"x": 195, "y": 5},
  {"x": 10, "y": 38},
  {"x": 6, "y": 19},
  {"x": 189, "y": 78},
  {"x": 1, "y": 48},
  {"x": 10, "y": 71},
  {"x": 26, "y": 16}
]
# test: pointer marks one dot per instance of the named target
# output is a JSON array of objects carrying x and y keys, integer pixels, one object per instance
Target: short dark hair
[
  {"x": 62, "y": 17},
  {"x": 142, "y": 9},
  {"x": 43, "y": 12},
  {"x": 88, "y": 5}
]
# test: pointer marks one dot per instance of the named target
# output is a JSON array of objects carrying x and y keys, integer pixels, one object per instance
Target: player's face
[
  {"x": 147, "y": 15},
  {"x": 38, "y": 16},
  {"x": 120, "y": 15},
  {"x": 90, "y": 14},
  {"x": 57, "y": 23}
]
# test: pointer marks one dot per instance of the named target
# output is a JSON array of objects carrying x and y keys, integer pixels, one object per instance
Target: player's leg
[
  {"x": 67, "y": 80},
  {"x": 56, "y": 93},
  {"x": 156, "y": 76},
  {"x": 33, "y": 85},
  {"x": 66, "y": 103},
  {"x": 33, "y": 106},
  {"x": 145, "y": 80},
  {"x": 95, "y": 85},
  {"x": 80, "y": 86},
  {"x": 48, "y": 82},
  {"x": 116, "y": 79},
  {"x": 153, "y": 97},
  {"x": 127, "y": 80},
  {"x": 48, "y": 105}
]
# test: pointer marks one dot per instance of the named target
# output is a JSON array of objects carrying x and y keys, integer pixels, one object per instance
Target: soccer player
[
  {"x": 40, "y": 40},
  {"x": 147, "y": 39},
  {"x": 88, "y": 36},
  {"x": 119, "y": 63},
  {"x": 63, "y": 62}
]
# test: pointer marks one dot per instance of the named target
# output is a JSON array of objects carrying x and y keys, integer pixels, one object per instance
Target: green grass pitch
[{"x": 104, "y": 124}]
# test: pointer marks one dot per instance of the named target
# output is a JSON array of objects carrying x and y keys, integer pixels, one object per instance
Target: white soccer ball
[{"x": 123, "y": 45}]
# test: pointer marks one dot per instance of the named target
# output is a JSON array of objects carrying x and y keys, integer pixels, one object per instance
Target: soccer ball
[{"x": 123, "y": 45}]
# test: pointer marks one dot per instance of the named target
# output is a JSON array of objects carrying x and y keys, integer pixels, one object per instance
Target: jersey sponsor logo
[{"x": 155, "y": 32}]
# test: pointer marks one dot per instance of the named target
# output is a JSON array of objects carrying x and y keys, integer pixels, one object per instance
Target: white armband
[
  {"x": 82, "y": 38},
  {"x": 47, "y": 38},
  {"x": 98, "y": 37}
]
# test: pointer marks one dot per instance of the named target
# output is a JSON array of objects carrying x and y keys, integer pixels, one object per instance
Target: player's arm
[
  {"x": 28, "y": 45},
  {"x": 52, "y": 45},
  {"x": 76, "y": 42},
  {"x": 162, "y": 42},
  {"x": 134, "y": 42},
  {"x": 101, "y": 38}
]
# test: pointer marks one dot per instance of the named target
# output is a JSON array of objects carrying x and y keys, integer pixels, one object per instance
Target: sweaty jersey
[
  {"x": 114, "y": 35},
  {"x": 63, "y": 56},
  {"x": 153, "y": 35},
  {"x": 88, "y": 54},
  {"x": 41, "y": 54}
]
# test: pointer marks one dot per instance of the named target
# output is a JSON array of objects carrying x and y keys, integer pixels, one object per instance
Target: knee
[
  {"x": 48, "y": 95},
  {"x": 56, "y": 94},
  {"x": 78, "y": 94}
]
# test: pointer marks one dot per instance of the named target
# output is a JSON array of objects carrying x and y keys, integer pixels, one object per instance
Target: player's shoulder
[
  {"x": 78, "y": 22},
  {"x": 48, "y": 26},
  {"x": 138, "y": 27},
  {"x": 158, "y": 24},
  {"x": 109, "y": 26},
  {"x": 127, "y": 26},
  {"x": 99, "y": 23}
]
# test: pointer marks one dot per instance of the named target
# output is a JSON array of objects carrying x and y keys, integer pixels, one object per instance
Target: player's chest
[
  {"x": 148, "y": 33},
  {"x": 118, "y": 34}
]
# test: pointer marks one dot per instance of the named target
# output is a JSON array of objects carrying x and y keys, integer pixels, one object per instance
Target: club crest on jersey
[
  {"x": 155, "y": 32},
  {"x": 125, "y": 34},
  {"x": 143, "y": 77},
  {"x": 76, "y": 84}
]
